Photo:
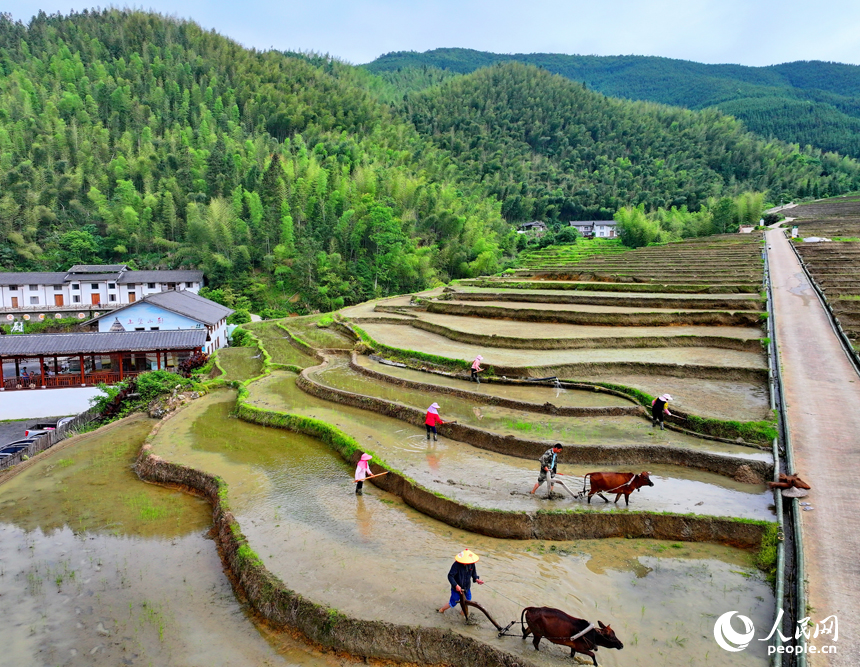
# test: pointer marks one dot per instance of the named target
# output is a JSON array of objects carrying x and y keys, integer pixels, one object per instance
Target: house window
[
  {"x": 151, "y": 285},
  {"x": 189, "y": 285},
  {"x": 140, "y": 328},
  {"x": 111, "y": 285},
  {"x": 34, "y": 300},
  {"x": 76, "y": 286},
  {"x": 58, "y": 288},
  {"x": 153, "y": 328},
  {"x": 34, "y": 288},
  {"x": 76, "y": 298},
  {"x": 13, "y": 288},
  {"x": 111, "y": 297},
  {"x": 94, "y": 285}
]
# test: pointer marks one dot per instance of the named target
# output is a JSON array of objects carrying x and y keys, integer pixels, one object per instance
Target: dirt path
[{"x": 823, "y": 398}]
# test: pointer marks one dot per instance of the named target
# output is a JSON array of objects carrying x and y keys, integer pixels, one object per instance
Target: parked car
[
  {"x": 13, "y": 449},
  {"x": 36, "y": 432}
]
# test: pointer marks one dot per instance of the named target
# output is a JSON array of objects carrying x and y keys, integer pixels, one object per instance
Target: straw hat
[
  {"x": 467, "y": 557},
  {"x": 366, "y": 457},
  {"x": 665, "y": 397}
]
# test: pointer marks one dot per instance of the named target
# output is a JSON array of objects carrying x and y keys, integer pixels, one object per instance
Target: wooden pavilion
[{"x": 45, "y": 361}]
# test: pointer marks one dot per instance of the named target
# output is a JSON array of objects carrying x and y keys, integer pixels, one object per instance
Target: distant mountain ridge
[{"x": 805, "y": 102}]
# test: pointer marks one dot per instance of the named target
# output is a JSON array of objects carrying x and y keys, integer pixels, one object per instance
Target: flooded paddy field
[
  {"x": 101, "y": 569},
  {"x": 240, "y": 363},
  {"x": 487, "y": 479},
  {"x": 535, "y": 330},
  {"x": 537, "y": 394},
  {"x": 319, "y": 337},
  {"x": 410, "y": 338},
  {"x": 279, "y": 392},
  {"x": 719, "y": 399},
  {"x": 372, "y": 557}
]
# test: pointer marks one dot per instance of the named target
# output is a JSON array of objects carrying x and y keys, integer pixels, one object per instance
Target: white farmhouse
[{"x": 170, "y": 310}]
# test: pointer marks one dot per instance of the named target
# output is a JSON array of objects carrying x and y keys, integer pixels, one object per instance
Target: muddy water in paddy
[
  {"x": 101, "y": 569},
  {"x": 530, "y": 330},
  {"x": 374, "y": 558},
  {"x": 531, "y": 394},
  {"x": 240, "y": 363},
  {"x": 490, "y": 480},
  {"x": 409, "y": 338},
  {"x": 506, "y": 421}
]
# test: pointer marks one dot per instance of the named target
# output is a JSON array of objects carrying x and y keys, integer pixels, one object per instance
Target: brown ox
[
  {"x": 619, "y": 483},
  {"x": 561, "y": 628},
  {"x": 788, "y": 482}
]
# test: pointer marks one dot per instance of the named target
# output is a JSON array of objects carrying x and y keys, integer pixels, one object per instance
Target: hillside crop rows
[{"x": 834, "y": 265}]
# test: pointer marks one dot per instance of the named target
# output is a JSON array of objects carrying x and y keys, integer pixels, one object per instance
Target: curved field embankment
[
  {"x": 582, "y": 282},
  {"x": 708, "y": 318},
  {"x": 282, "y": 607},
  {"x": 580, "y": 343},
  {"x": 725, "y": 465},
  {"x": 621, "y": 300}
]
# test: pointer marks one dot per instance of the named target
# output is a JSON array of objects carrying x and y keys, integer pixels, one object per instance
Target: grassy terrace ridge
[
  {"x": 592, "y": 286},
  {"x": 760, "y": 433}
]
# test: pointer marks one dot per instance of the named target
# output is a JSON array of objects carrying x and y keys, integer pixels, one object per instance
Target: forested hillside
[
  {"x": 808, "y": 103},
  {"x": 132, "y": 137},
  {"x": 296, "y": 181},
  {"x": 549, "y": 148}
]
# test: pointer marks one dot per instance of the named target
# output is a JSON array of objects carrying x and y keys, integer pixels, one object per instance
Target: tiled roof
[
  {"x": 181, "y": 302},
  {"x": 97, "y": 268},
  {"x": 93, "y": 277},
  {"x": 34, "y": 278},
  {"x": 12, "y": 345},
  {"x": 161, "y": 277}
]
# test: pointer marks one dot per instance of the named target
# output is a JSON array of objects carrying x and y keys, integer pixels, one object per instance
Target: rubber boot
[
  {"x": 428, "y": 436},
  {"x": 435, "y": 439},
  {"x": 662, "y": 428}
]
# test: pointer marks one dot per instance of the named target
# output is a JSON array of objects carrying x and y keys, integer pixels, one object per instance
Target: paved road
[{"x": 823, "y": 397}]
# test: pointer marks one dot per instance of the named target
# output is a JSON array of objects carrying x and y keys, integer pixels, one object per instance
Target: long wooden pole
[{"x": 356, "y": 481}]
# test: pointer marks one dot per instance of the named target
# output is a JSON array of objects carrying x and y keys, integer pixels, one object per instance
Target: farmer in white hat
[
  {"x": 461, "y": 575},
  {"x": 476, "y": 368},
  {"x": 432, "y": 420},
  {"x": 660, "y": 407}
]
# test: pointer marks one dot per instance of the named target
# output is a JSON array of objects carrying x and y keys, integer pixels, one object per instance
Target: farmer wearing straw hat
[
  {"x": 432, "y": 420},
  {"x": 659, "y": 407},
  {"x": 361, "y": 472},
  {"x": 461, "y": 575},
  {"x": 476, "y": 368}
]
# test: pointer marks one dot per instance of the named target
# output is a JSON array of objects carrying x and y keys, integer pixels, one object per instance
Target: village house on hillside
[
  {"x": 535, "y": 227},
  {"x": 169, "y": 310},
  {"x": 595, "y": 228},
  {"x": 84, "y": 289}
]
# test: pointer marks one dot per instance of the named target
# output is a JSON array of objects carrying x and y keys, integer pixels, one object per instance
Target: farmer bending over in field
[
  {"x": 659, "y": 407},
  {"x": 476, "y": 368}
]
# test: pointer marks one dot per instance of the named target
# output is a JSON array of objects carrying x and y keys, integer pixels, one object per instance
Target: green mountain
[
  {"x": 809, "y": 103},
  {"x": 292, "y": 183},
  {"x": 549, "y": 148},
  {"x": 129, "y": 136}
]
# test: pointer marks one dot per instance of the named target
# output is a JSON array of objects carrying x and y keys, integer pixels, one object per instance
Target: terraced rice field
[
  {"x": 367, "y": 573},
  {"x": 565, "y": 255},
  {"x": 719, "y": 261},
  {"x": 834, "y": 265}
]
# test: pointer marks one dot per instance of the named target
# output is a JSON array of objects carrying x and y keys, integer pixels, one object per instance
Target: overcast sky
[{"x": 749, "y": 32}]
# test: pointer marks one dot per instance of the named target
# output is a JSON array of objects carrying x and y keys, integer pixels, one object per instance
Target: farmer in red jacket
[{"x": 432, "y": 420}]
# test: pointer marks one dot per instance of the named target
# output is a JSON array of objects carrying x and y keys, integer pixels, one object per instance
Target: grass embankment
[
  {"x": 569, "y": 254},
  {"x": 756, "y": 432}
]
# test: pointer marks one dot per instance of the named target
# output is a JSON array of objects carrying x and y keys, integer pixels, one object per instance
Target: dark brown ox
[
  {"x": 561, "y": 628},
  {"x": 788, "y": 482},
  {"x": 619, "y": 483}
]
